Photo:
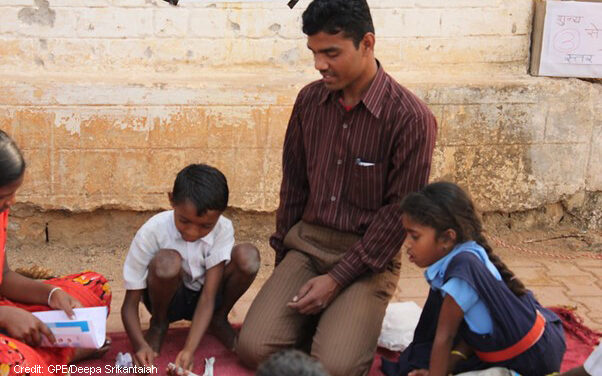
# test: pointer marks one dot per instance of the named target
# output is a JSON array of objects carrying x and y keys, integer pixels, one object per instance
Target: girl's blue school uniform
[{"x": 511, "y": 318}]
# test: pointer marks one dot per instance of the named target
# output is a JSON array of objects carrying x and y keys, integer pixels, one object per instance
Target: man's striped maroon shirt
[{"x": 349, "y": 169}]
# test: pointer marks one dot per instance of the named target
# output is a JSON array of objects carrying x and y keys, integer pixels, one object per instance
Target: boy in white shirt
[{"x": 183, "y": 264}]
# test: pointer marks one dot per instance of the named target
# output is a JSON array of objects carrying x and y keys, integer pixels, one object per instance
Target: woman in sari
[{"x": 21, "y": 333}]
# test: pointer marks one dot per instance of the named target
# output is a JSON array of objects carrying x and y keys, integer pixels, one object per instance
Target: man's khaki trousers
[{"x": 343, "y": 337}]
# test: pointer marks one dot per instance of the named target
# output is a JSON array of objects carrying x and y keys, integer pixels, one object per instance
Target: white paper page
[
  {"x": 87, "y": 330},
  {"x": 572, "y": 39}
]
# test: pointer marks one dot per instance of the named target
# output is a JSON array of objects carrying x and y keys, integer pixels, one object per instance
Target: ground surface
[{"x": 562, "y": 266}]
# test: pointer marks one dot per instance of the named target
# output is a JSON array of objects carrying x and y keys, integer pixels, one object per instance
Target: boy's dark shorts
[{"x": 183, "y": 303}]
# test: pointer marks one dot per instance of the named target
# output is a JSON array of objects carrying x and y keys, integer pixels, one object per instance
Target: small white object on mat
[
  {"x": 172, "y": 367},
  {"x": 209, "y": 366},
  {"x": 398, "y": 327},
  {"x": 123, "y": 360}
]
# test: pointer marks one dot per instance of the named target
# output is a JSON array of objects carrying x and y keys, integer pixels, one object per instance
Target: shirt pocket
[{"x": 367, "y": 186}]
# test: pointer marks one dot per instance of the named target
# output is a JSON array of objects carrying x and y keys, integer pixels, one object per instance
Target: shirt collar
[
  {"x": 438, "y": 269},
  {"x": 372, "y": 98}
]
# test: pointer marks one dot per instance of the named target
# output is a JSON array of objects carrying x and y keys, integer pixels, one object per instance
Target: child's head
[
  {"x": 290, "y": 363},
  {"x": 444, "y": 210},
  {"x": 440, "y": 216},
  {"x": 12, "y": 168},
  {"x": 199, "y": 196}
]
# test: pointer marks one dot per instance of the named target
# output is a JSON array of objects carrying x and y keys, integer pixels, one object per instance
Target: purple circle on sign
[{"x": 566, "y": 41}]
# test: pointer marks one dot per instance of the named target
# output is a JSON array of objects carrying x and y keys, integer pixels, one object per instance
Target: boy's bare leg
[
  {"x": 164, "y": 278},
  {"x": 238, "y": 276}
]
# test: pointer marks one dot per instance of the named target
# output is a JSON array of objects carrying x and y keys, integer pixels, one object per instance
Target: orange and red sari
[{"x": 90, "y": 288}]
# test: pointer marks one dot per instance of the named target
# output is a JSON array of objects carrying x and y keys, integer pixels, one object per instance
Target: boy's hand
[
  {"x": 183, "y": 363},
  {"x": 145, "y": 356},
  {"x": 63, "y": 301},
  {"x": 419, "y": 372}
]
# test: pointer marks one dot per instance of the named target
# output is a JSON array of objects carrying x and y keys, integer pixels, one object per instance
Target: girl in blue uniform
[{"x": 484, "y": 315}]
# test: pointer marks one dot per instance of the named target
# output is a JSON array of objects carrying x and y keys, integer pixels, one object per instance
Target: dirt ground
[{"x": 537, "y": 255}]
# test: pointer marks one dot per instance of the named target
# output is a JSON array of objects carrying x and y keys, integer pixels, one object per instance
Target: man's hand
[
  {"x": 145, "y": 356},
  {"x": 24, "y": 326},
  {"x": 63, "y": 301},
  {"x": 315, "y": 295},
  {"x": 183, "y": 363}
]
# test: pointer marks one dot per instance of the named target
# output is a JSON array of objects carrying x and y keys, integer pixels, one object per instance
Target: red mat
[
  {"x": 579, "y": 339},
  {"x": 226, "y": 362}
]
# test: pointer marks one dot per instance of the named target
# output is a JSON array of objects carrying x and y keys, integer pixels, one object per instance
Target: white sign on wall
[
  {"x": 291, "y": 3},
  {"x": 571, "y": 44},
  {"x": 232, "y": 1}
]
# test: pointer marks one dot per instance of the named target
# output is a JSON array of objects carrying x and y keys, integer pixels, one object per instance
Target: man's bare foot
[
  {"x": 155, "y": 335},
  {"x": 221, "y": 328}
]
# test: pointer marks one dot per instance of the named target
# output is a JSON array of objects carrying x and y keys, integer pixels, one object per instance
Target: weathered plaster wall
[{"x": 110, "y": 98}]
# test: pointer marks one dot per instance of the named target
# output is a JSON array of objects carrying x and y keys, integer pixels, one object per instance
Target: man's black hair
[
  {"x": 12, "y": 164},
  {"x": 204, "y": 186},
  {"x": 352, "y": 17},
  {"x": 291, "y": 363}
]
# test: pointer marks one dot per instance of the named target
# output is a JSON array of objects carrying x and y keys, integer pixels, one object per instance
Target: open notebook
[{"x": 86, "y": 330}]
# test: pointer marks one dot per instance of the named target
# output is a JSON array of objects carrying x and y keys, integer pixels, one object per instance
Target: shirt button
[
  {"x": 340, "y": 162},
  {"x": 345, "y": 125},
  {"x": 333, "y": 198}
]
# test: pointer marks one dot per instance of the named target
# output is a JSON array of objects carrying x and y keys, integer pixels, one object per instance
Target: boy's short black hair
[
  {"x": 352, "y": 17},
  {"x": 204, "y": 186},
  {"x": 291, "y": 363}
]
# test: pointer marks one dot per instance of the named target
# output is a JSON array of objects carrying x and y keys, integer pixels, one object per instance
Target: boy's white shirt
[{"x": 160, "y": 232}]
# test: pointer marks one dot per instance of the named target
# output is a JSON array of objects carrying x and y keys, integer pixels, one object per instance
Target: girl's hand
[
  {"x": 24, "y": 326},
  {"x": 183, "y": 363},
  {"x": 419, "y": 372},
  {"x": 63, "y": 301}
]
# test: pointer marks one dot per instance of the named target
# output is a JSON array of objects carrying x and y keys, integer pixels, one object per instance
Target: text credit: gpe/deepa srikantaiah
[{"x": 74, "y": 369}]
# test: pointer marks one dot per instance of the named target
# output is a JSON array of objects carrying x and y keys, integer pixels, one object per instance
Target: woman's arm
[
  {"x": 22, "y": 289},
  {"x": 202, "y": 315},
  {"x": 450, "y": 317},
  {"x": 19, "y": 323},
  {"x": 29, "y": 291}
]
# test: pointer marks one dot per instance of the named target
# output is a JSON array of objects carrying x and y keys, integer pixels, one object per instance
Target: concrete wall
[{"x": 110, "y": 98}]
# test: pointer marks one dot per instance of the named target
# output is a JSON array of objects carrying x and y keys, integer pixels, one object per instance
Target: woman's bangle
[
  {"x": 460, "y": 354},
  {"x": 50, "y": 294}
]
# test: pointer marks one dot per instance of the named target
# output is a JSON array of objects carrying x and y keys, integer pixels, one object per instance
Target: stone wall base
[{"x": 115, "y": 228}]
